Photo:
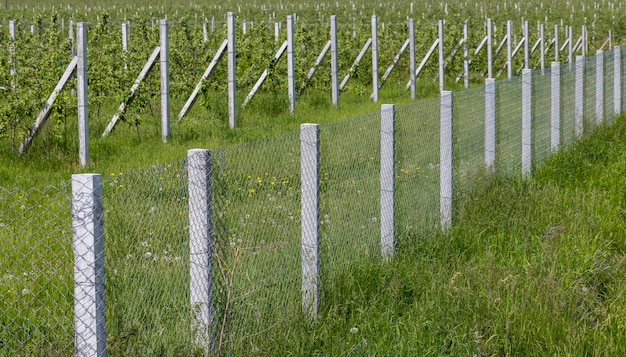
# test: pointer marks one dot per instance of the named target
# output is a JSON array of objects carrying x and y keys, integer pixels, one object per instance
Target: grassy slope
[{"x": 532, "y": 267}]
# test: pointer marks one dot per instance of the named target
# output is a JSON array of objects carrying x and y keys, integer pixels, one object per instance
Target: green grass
[
  {"x": 52, "y": 159},
  {"x": 532, "y": 267}
]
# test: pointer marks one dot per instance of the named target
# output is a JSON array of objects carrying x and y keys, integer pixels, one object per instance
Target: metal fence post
[
  {"x": 387, "y": 180},
  {"x": 310, "y": 171},
  {"x": 89, "y": 291},
  {"x": 527, "y": 114},
  {"x": 490, "y": 124},
  {"x": 446, "y": 160},
  {"x": 579, "y": 109},
  {"x": 555, "y": 106},
  {"x": 81, "y": 77},
  {"x": 200, "y": 244},
  {"x": 164, "y": 59},
  {"x": 599, "y": 87}
]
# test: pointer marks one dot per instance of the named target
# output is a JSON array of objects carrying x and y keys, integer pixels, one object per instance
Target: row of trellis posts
[
  {"x": 79, "y": 63},
  {"x": 88, "y": 211}
]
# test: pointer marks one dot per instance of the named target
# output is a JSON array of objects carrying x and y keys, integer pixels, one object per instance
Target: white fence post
[
  {"x": 542, "y": 48},
  {"x": 599, "y": 87},
  {"x": 125, "y": 36},
  {"x": 12, "y": 51},
  {"x": 446, "y": 165},
  {"x": 526, "y": 46},
  {"x": 579, "y": 109},
  {"x": 334, "y": 61},
  {"x": 291, "y": 72},
  {"x": 555, "y": 106},
  {"x": 375, "y": 58},
  {"x": 232, "y": 72},
  {"x": 556, "y": 43},
  {"x": 570, "y": 47},
  {"x": 442, "y": 59},
  {"x": 89, "y": 291},
  {"x": 617, "y": 80},
  {"x": 200, "y": 245},
  {"x": 71, "y": 35},
  {"x": 489, "y": 48},
  {"x": 466, "y": 60},
  {"x": 81, "y": 76},
  {"x": 310, "y": 171},
  {"x": 164, "y": 59},
  {"x": 490, "y": 124},
  {"x": 527, "y": 114},
  {"x": 387, "y": 180},
  {"x": 412, "y": 56},
  {"x": 509, "y": 49}
]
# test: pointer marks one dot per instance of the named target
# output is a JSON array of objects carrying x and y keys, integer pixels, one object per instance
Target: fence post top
[
  {"x": 308, "y": 125},
  {"x": 77, "y": 177},
  {"x": 196, "y": 151}
]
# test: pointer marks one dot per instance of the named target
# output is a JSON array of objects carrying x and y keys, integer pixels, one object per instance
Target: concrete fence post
[
  {"x": 291, "y": 65},
  {"x": 489, "y": 48},
  {"x": 599, "y": 87},
  {"x": 375, "y": 58},
  {"x": 442, "y": 59},
  {"x": 555, "y": 106},
  {"x": 89, "y": 291},
  {"x": 490, "y": 124},
  {"x": 579, "y": 100},
  {"x": 387, "y": 180},
  {"x": 310, "y": 200},
  {"x": 617, "y": 80},
  {"x": 527, "y": 114},
  {"x": 446, "y": 166},
  {"x": 232, "y": 71},
  {"x": 164, "y": 59},
  {"x": 83, "y": 110},
  {"x": 412, "y": 66},
  {"x": 509, "y": 49},
  {"x": 334, "y": 61},
  {"x": 201, "y": 245}
]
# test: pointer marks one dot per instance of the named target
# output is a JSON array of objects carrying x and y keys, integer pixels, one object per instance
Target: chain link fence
[
  {"x": 36, "y": 272},
  {"x": 206, "y": 255}
]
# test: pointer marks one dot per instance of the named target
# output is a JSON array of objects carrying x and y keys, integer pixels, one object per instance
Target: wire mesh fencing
[
  {"x": 36, "y": 272},
  {"x": 215, "y": 253}
]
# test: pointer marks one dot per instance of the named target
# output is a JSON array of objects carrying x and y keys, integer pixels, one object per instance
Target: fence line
[{"x": 215, "y": 252}]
